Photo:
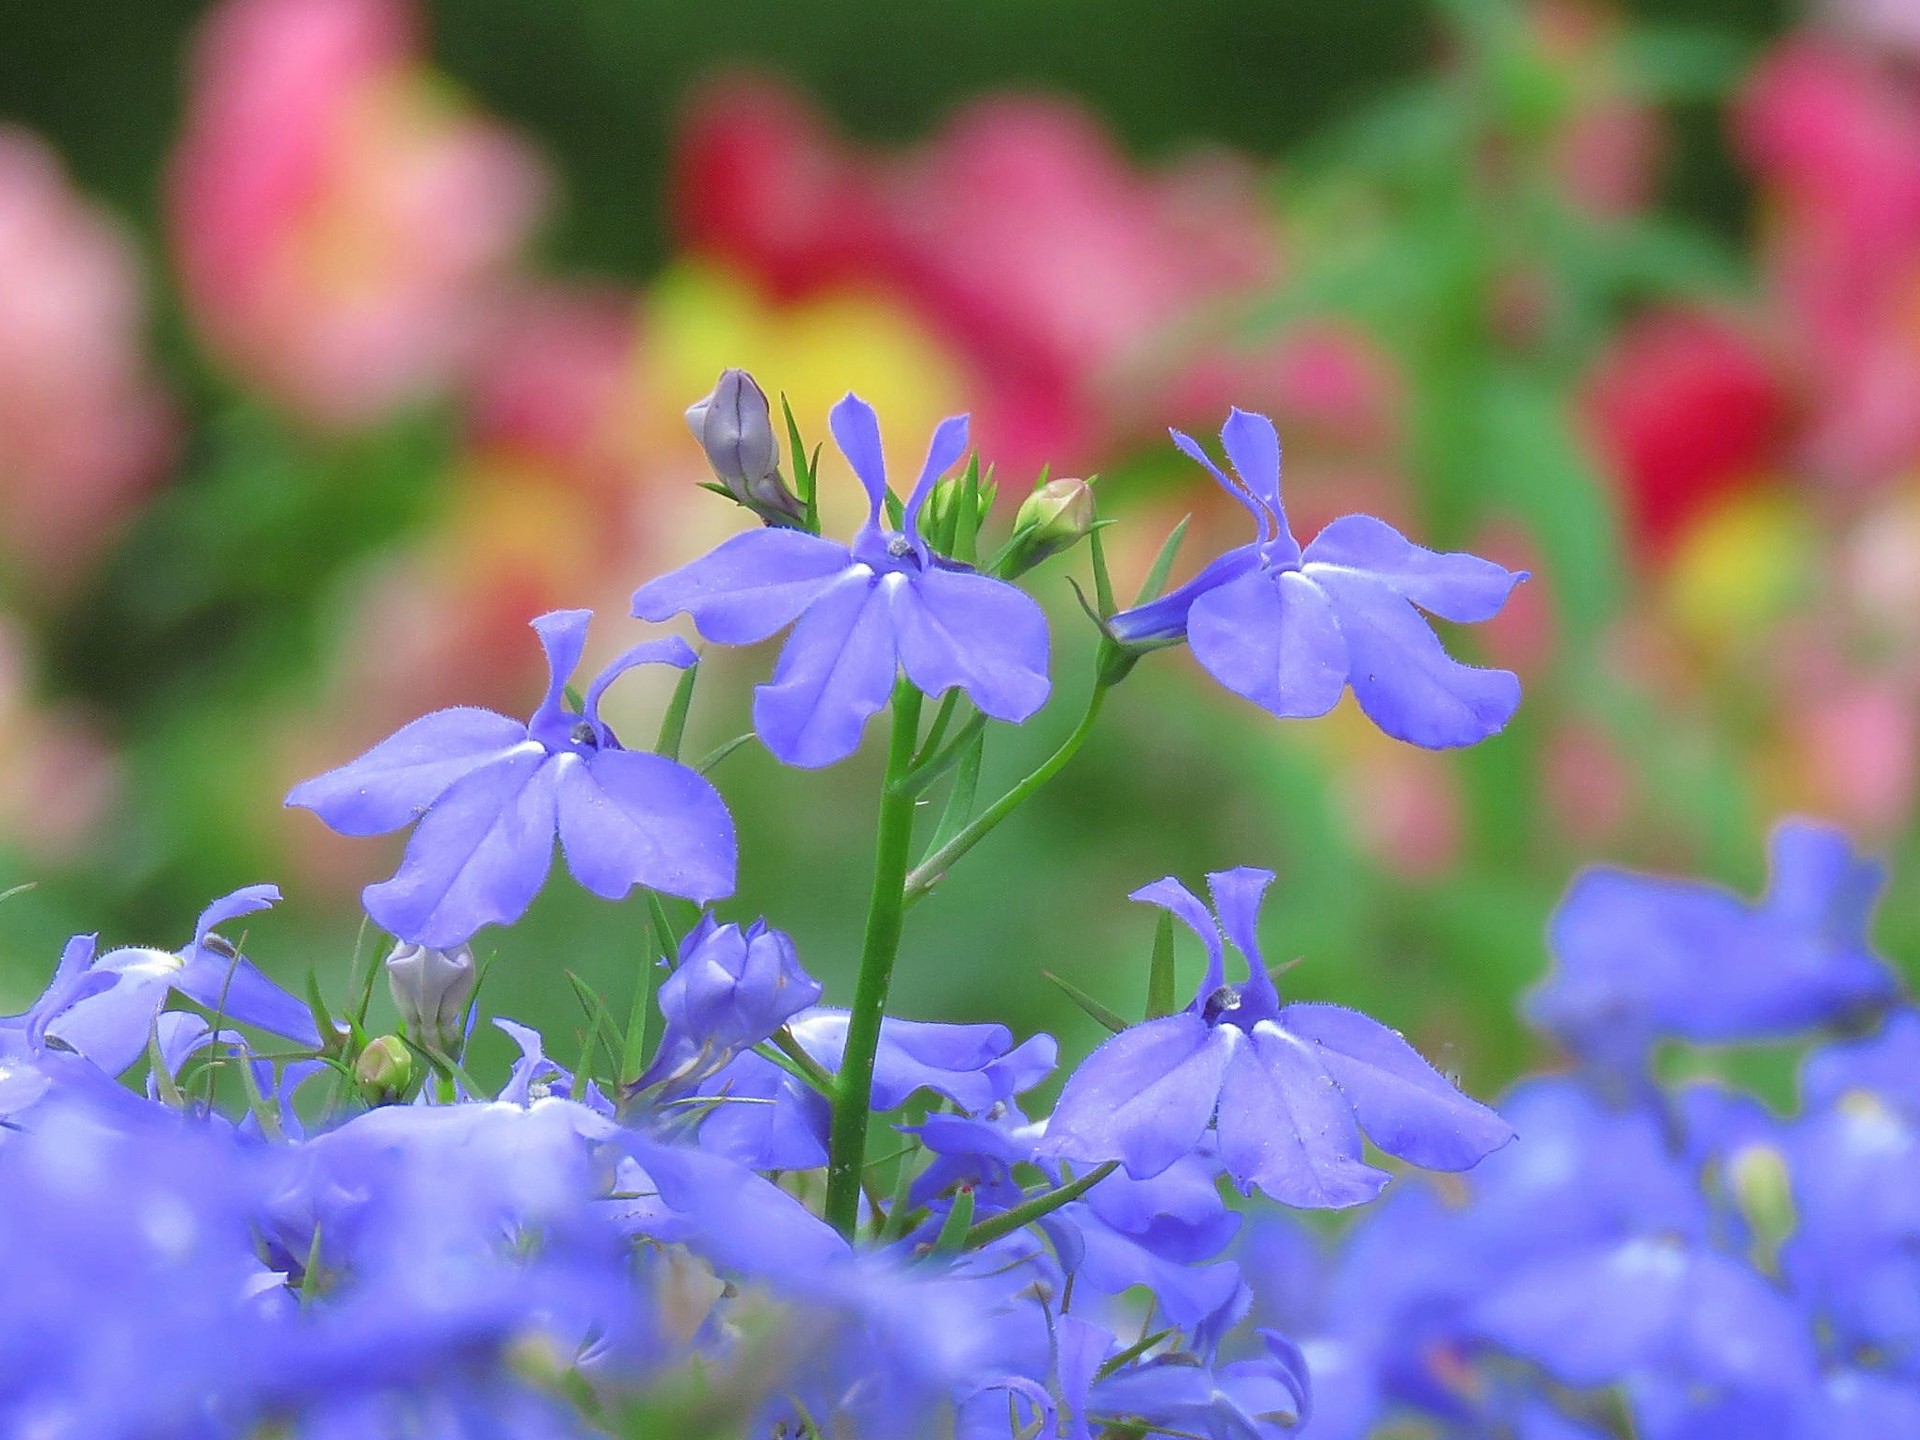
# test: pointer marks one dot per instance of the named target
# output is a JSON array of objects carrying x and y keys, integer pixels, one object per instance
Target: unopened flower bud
[
  {"x": 431, "y": 988},
  {"x": 1056, "y": 516},
  {"x": 734, "y": 425},
  {"x": 384, "y": 1069}
]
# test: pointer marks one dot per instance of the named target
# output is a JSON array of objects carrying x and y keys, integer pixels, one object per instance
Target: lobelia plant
[{"x": 696, "y": 1231}]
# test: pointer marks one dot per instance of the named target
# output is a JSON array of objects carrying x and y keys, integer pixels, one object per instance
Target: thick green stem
[
  {"x": 886, "y": 911},
  {"x": 1025, "y": 1213},
  {"x": 929, "y": 871}
]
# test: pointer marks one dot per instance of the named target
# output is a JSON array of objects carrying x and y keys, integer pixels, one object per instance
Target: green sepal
[
  {"x": 1162, "y": 566},
  {"x": 1099, "y": 1013}
]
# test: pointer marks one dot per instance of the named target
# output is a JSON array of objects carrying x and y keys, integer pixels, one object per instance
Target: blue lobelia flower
[
  {"x": 1638, "y": 956},
  {"x": 732, "y": 989},
  {"x": 489, "y": 794},
  {"x": 110, "y": 1020},
  {"x": 1289, "y": 1087},
  {"x": 1290, "y": 629},
  {"x": 865, "y": 611}
]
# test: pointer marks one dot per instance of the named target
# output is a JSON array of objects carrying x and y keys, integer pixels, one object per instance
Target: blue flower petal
[
  {"x": 1254, "y": 447},
  {"x": 748, "y": 587},
  {"x": 1453, "y": 585},
  {"x": 944, "y": 450},
  {"x": 1145, "y": 1096},
  {"x": 1285, "y": 1127},
  {"x": 563, "y": 635},
  {"x": 477, "y": 858},
  {"x": 1164, "y": 620},
  {"x": 837, "y": 669},
  {"x": 1402, "y": 675},
  {"x": 856, "y": 430},
  {"x": 1273, "y": 639},
  {"x": 671, "y": 651},
  {"x": 627, "y": 817},
  {"x": 960, "y": 629},
  {"x": 1406, "y": 1107},
  {"x": 394, "y": 782}
]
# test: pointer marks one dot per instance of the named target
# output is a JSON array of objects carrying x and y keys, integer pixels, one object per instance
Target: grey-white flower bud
[
  {"x": 734, "y": 426},
  {"x": 431, "y": 988}
]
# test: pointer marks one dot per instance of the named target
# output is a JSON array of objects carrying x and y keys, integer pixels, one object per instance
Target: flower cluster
[
  {"x": 1681, "y": 1256},
  {"x": 697, "y": 1226}
]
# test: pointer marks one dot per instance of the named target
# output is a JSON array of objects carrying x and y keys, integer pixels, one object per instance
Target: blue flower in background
[
  {"x": 864, "y": 612},
  {"x": 1289, "y": 1087},
  {"x": 1291, "y": 629},
  {"x": 105, "y": 1008},
  {"x": 1640, "y": 956},
  {"x": 489, "y": 793}
]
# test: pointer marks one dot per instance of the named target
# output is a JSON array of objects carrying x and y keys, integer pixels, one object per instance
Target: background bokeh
[{"x": 339, "y": 337}]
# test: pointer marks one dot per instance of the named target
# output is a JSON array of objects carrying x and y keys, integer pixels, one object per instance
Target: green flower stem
[
  {"x": 1025, "y": 1213},
  {"x": 930, "y": 871},
  {"x": 886, "y": 911}
]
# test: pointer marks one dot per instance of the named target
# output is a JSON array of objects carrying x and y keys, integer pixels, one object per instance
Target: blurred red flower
[
  {"x": 1068, "y": 278},
  {"x": 1685, "y": 408}
]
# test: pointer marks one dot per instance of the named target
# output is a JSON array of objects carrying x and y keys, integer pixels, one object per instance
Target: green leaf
[
  {"x": 1099, "y": 1013},
  {"x": 1162, "y": 567},
  {"x": 1102, "y": 582},
  {"x": 960, "y": 799},
  {"x": 599, "y": 1026},
  {"x": 953, "y": 1231},
  {"x": 1160, "y": 972},
  {"x": 720, "y": 752},
  {"x": 673, "y": 724},
  {"x": 170, "y": 1092}
]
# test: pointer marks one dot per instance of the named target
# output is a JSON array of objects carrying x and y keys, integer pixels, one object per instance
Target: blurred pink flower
[
  {"x": 1891, "y": 24},
  {"x": 343, "y": 227},
  {"x": 84, "y": 428},
  {"x": 1405, "y": 809},
  {"x": 1069, "y": 279},
  {"x": 1606, "y": 153},
  {"x": 1588, "y": 786},
  {"x": 58, "y": 776},
  {"x": 1856, "y": 745},
  {"x": 1834, "y": 139}
]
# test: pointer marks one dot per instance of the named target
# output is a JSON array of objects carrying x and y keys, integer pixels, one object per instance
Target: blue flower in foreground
[
  {"x": 1289, "y": 1087},
  {"x": 865, "y": 611},
  {"x": 1638, "y": 956},
  {"x": 489, "y": 794},
  {"x": 1291, "y": 629}
]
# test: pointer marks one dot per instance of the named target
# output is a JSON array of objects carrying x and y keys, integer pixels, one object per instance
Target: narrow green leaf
[
  {"x": 170, "y": 1092},
  {"x": 960, "y": 799},
  {"x": 953, "y": 1231},
  {"x": 1160, "y": 972},
  {"x": 804, "y": 474},
  {"x": 666, "y": 945},
  {"x": 1099, "y": 1013},
  {"x": 1162, "y": 567},
  {"x": 322, "y": 1018},
  {"x": 721, "y": 751},
  {"x": 310, "y": 1272},
  {"x": 1102, "y": 581},
  {"x": 673, "y": 724},
  {"x": 599, "y": 1025}
]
